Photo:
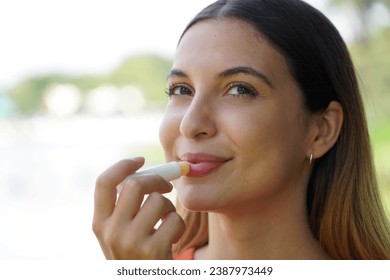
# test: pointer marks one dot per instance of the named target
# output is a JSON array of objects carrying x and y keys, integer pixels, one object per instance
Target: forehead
[{"x": 226, "y": 43}]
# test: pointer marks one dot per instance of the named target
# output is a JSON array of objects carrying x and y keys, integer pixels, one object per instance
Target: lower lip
[{"x": 203, "y": 168}]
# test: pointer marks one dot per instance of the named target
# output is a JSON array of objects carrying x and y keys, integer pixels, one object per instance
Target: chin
[{"x": 197, "y": 201}]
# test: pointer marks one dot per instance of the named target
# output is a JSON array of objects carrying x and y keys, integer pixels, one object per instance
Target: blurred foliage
[
  {"x": 361, "y": 5},
  {"x": 380, "y": 135},
  {"x": 372, "y": 61},
  {"x": 362, "y": 9},
  {"x": 28, "y": 95},
  {"x": 148, "y": 72}
]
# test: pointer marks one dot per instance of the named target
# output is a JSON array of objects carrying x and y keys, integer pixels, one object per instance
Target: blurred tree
[
  {"x": 147, "y": 72},
  {"x": 373, "y": 62},
  {"x": 29, "y": 93},
  {"x": 362, "y": 8}
]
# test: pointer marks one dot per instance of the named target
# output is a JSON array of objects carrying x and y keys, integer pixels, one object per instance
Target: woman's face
[{"x": 236, "y": 114}]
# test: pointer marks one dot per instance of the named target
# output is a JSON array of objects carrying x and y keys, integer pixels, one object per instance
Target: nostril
[{"x": 198, "y": 121}]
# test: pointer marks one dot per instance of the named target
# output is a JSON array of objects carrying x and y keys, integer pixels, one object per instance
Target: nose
[{"x": 198, "y": 121}]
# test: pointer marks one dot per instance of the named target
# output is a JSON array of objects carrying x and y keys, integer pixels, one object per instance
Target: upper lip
[{"x": 202, "y": 157}]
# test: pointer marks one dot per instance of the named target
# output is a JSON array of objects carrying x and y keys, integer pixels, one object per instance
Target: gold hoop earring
[{"x": 311, "y": 158}]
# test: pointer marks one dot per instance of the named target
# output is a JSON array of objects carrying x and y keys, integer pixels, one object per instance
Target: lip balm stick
[{"x": 168, "y": 171}]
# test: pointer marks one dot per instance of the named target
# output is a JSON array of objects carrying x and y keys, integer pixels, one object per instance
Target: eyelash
[
  {"x": 251, "y": 91},
  {"x": 171, "y": 88}
]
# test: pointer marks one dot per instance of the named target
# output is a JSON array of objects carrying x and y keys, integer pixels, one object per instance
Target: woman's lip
[
  {"x": 201, "y": 164},
  {"x": 203, "y": 168}
]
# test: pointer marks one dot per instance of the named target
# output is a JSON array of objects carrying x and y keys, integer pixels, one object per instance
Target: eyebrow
[
  {"x": 177, "y": 73},
  {"x": 247, "y": 71},
  {"x": 229, "y": 72}
]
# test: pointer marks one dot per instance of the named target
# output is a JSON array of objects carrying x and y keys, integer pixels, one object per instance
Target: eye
[
  {"x": 179, "y": 89},
  {"x": 240, "y": 89}
]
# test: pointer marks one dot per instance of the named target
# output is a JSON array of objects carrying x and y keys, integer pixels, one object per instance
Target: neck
[{"x": 269, "y": 232}]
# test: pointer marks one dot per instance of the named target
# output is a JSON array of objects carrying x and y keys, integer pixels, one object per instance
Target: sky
[{"x": 92, "y": 36}]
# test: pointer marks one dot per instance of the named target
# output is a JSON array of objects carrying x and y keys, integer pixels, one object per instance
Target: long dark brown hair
[{"x": 343, "y": 203}]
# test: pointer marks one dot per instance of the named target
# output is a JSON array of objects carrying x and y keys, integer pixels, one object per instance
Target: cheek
[
  {"x": 266, "y": 136},
  {"x": 250, "y": 129}
]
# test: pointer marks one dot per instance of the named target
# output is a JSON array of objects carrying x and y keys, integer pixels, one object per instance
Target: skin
[{"x": 253, "y": 120}]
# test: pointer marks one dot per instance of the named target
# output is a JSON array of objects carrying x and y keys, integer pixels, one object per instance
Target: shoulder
[{"x": 185, "y": 255}]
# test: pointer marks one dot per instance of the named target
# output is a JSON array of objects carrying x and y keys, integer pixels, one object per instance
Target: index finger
[{"x": 105, "y": 188}]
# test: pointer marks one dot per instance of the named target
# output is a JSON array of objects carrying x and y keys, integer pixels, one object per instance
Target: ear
[{"x": 327, "y": 129}]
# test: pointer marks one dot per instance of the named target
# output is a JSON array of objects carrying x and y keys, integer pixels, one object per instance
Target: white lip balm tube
[{"x": 168, "y": 171}]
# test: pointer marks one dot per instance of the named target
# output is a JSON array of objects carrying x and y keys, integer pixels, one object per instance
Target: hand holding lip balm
[
  {"x": 168, "y": 171},
  {"x": 127, "y": 225}
]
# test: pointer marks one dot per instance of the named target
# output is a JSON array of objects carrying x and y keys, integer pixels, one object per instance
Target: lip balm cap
[{"x": 184, "y": 167}]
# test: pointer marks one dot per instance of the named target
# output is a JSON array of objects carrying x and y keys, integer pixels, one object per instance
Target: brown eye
[
  {"x": 241, "y": 90},
  {"x": 179, "y": 89}
]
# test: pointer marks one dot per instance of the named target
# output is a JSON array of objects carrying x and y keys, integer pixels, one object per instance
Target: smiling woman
[{"x": 265, "y": 108}]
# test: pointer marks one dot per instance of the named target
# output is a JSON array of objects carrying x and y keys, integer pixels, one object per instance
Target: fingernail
[{"x": 138, "y": 159}]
